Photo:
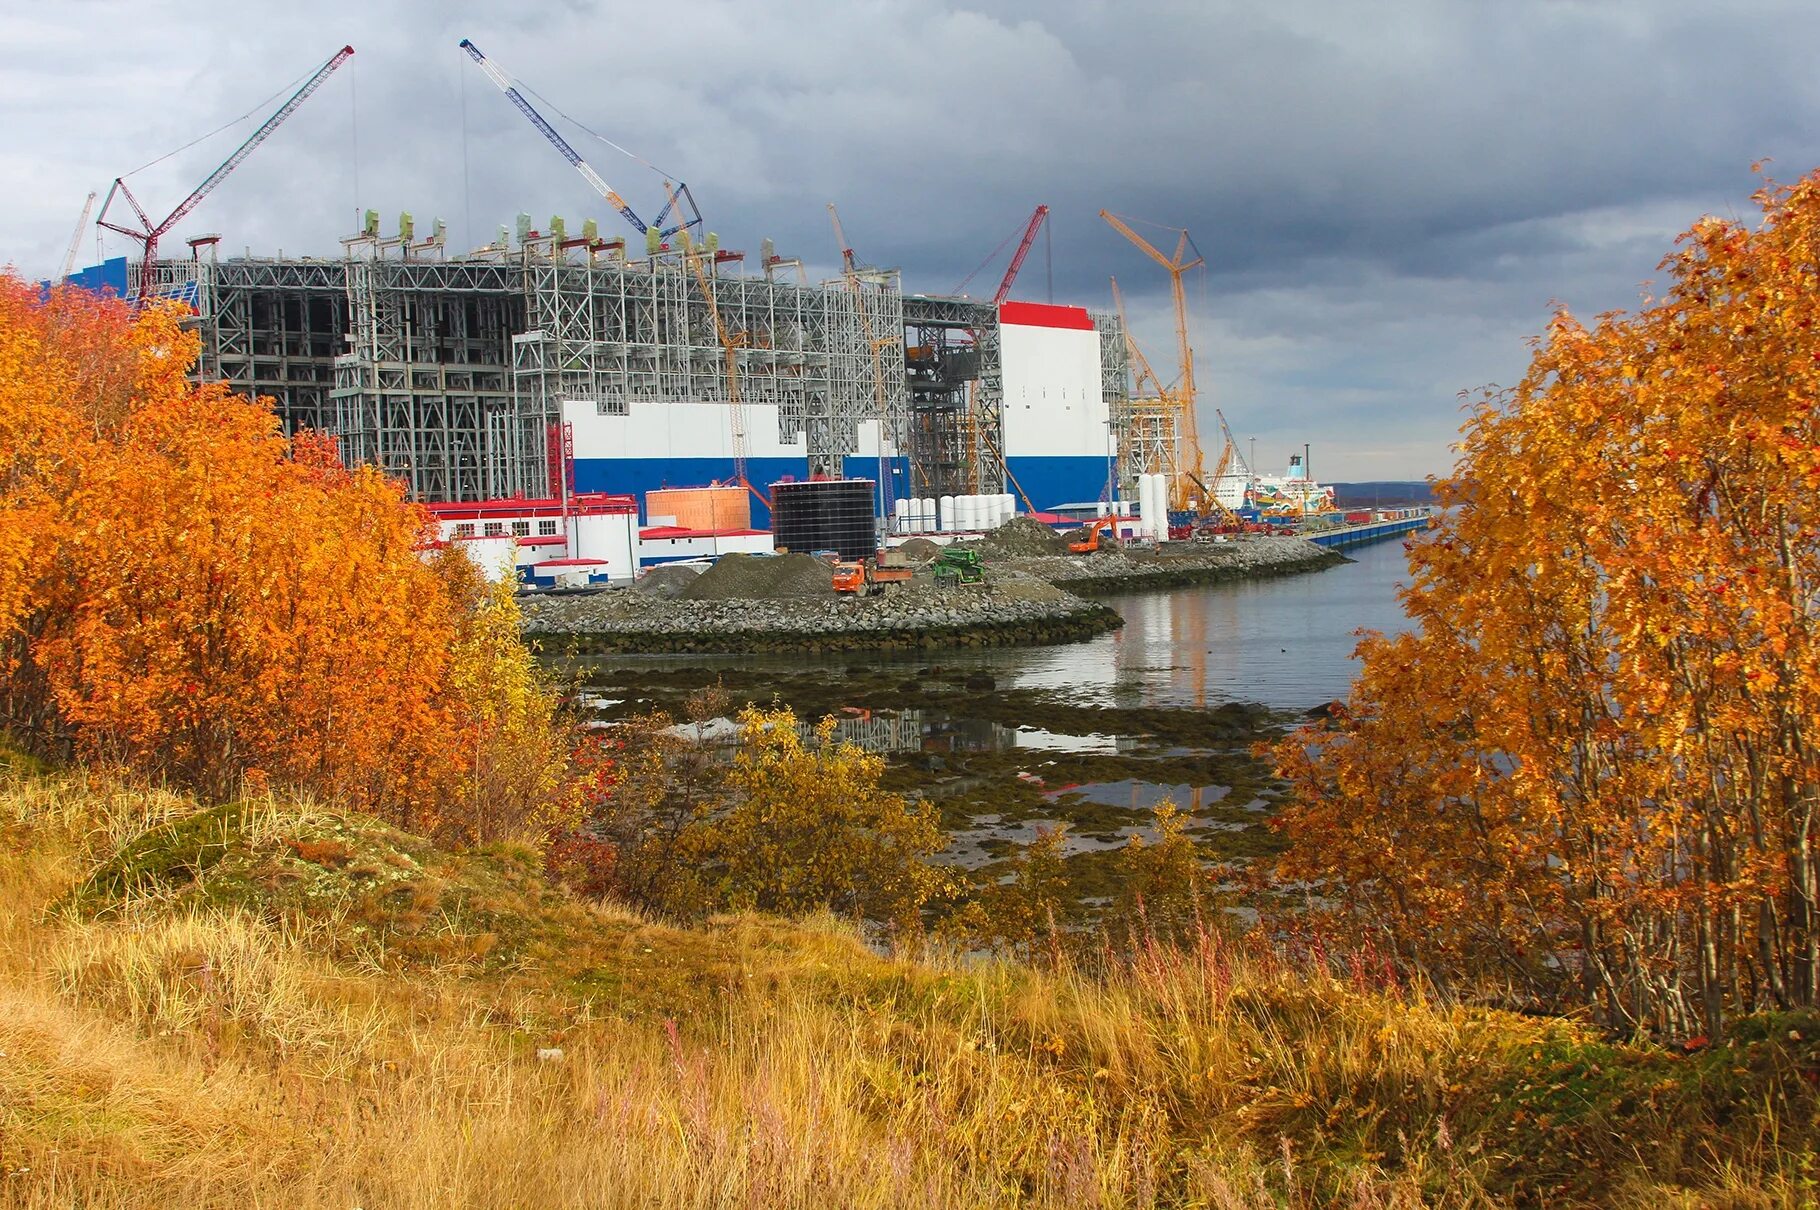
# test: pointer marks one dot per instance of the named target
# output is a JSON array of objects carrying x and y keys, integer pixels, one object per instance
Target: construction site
[{"x": 560, "y": 362}]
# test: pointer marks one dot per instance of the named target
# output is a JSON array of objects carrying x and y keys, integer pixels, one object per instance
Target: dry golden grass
[{"x": 177, "y": 1052}]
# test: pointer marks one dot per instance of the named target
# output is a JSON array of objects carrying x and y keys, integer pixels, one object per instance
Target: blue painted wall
[
  {"x": 1053, "y": 480},
  {"x": 636, "y": 476},
  {"x": 108, "y": 277}
]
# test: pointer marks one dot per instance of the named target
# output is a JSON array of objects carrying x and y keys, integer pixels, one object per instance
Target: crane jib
[{"x": 561, "y": 144}]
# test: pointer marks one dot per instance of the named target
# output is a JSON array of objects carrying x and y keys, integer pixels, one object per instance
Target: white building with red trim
[{"x": 589, "y": 538}]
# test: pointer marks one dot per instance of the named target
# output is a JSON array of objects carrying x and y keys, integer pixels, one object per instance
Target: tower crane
[
  {"x": 1017, "y": 258},
  {"x": 678, "y": 197},
  {"x": 1182, "y": 395},
  {"x": 877, "y": 344},
  {"x": 847, "y": 262},
  {"x": 69, "y": 258},
  {"x": 148, "y": 232},
  {"x": 729, "y": 344}
]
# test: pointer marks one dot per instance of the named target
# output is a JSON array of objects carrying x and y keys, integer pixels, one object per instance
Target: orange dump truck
[{"x": 872, "y": 576}]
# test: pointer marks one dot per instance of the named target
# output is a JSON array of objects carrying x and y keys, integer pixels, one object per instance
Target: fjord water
[{"x": 1285, "y": 642}]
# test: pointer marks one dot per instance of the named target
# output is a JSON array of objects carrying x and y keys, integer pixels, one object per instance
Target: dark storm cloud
[{"x": 1389, "y": 196}]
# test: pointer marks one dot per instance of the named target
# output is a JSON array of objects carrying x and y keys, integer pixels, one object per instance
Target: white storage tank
[{"x": 944, "y": 511}]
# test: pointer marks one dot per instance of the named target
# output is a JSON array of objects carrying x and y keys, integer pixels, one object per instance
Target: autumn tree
[
  {"x": 777, "y": 817},
  {"x": 1590, "y": 773},
  {"x": 190, "y": 593},
  {"x": 1164, "y": 885},
  {"x": 516, "y": 749},
  {"x": 1024, "y": 910}
]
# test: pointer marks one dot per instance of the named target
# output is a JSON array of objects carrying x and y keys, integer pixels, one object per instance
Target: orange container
[{"x": 701, "y": 507}]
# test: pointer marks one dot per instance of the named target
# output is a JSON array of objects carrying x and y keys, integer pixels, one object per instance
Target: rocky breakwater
[
  {"x": 786, "y": 603},
  {"x": 1030, "y": 549}
]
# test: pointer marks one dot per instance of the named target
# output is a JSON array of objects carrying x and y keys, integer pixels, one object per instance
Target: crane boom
[
  {"x": 1017, "y": 258},
  {"x": 729, "y": 350},
  {"x": 840, "y": 237},
  {"x": 148, "y": 234},
  {"x": 69, "y": 258},
  {"x": 548, "y": 131},
  {"x": 257, "y": 137},
  {"x": 1183, "y": 394}
]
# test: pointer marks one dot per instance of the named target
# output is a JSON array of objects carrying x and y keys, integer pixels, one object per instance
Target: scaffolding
[
  {"x": 955, "y": 398},
  {"x": 451, "y": 373}
]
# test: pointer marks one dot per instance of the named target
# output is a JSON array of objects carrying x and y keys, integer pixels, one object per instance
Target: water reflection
[
  {"x": 895, "y": 732},
  {"x": 1284, "y": 642}
]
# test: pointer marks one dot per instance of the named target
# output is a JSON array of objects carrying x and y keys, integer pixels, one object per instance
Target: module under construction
[{"x": 472, "y": 377}]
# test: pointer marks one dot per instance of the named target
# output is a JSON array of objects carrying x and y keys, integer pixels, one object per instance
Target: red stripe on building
[{"x": 1045, "y": 315}]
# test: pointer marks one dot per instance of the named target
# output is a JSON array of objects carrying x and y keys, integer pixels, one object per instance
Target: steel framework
[{"x": 449, "y": 373}]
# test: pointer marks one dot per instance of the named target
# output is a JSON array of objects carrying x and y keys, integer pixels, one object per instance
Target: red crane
[
  {"x": 148, "y": 232},
  {"x": 1017, "y": 258}
]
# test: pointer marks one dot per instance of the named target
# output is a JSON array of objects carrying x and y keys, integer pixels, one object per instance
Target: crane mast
[
  {"x": 69, "y": 257},
  {"x": 1190, "y": 469},
  {"x": 148, "y": 233},
  {"x": 729, "y": 349},
  {"x": 1017, "y": 258},
  {"x": 505, "y": 85}
]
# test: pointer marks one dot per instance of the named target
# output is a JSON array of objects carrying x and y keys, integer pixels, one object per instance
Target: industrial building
[
  {"x": 547, "y": 366},
  {"x": 473, "y": 377}
]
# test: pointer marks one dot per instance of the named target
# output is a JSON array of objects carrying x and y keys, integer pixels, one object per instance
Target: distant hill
[{"x": 1382, "y": 492}]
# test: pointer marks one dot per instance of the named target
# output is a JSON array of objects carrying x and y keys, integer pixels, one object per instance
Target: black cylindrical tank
[{"x": 825, "y": 514}]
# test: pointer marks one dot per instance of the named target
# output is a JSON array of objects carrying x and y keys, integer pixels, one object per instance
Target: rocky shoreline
[
  {"x": 1181, "y": 565},
  {"x": 1012, "y": 611},
  {"x": 1028, "y": 599}
]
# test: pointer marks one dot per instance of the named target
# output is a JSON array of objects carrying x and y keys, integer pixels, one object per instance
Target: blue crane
[{"x": 678, "y": 197}]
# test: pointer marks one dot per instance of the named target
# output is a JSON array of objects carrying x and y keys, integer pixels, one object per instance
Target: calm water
[{"x": 1283, "y": 642}]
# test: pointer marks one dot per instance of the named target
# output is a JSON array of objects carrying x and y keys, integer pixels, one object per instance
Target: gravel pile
[
  {"x": 1021, "y": 537},
  {"x": 668, "y": 580},
  {"x": 739, "y": 577},
  {"x": 1178, "y": 564},
  {"x": 920, "y": 550}
]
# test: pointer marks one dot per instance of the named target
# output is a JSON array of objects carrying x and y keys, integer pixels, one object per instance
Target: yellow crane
[
  {"x": 1189, "y": 471},
  {"x": 729, "y": 344},
  {"x": 878, "y": 344}
]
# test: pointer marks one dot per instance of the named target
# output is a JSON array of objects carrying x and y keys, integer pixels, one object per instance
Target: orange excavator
[{"x": 1091, "y": 542}]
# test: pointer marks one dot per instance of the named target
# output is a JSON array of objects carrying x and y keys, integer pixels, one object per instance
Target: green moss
[
  {"x": 17, "y": 762},
  {"x": 393, "y": 897},
  {"x": 163, "y": 860}
]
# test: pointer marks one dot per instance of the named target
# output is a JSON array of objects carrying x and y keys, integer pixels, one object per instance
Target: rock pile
[
  {"x": 1013, "y": 609},
  {"x": 741, "y": 577},
  {"x": 1020, "y": 537},
  {"x": 668, "y": 580},
  {"x": 1176, "y": 565}
]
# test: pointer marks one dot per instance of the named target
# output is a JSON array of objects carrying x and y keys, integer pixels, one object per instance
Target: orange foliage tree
[
  {"x": 1591, "y": 771},
  {"x": 187, "y": 592}
]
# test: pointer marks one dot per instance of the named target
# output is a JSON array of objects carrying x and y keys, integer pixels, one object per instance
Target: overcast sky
[{"x": 1389, "y": 196}]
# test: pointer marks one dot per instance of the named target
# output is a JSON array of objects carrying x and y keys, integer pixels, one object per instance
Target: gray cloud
[{"x": 1389, "y": 197}]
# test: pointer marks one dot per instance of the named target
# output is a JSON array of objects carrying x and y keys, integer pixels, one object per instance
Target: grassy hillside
[{"x": 270, "y": 1003}]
